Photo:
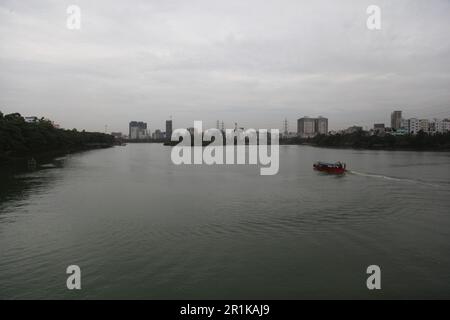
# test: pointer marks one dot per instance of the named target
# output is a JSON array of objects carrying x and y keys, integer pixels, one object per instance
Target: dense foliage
[
  {"x": 363, "y": 140},
  {"x": 19, "y": 138}
]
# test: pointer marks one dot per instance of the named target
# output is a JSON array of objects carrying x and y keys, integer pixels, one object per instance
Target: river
[{"x": 141, "y": 227}]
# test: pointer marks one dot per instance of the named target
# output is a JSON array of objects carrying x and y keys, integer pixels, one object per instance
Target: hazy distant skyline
[{"x": 251, "y": 62}]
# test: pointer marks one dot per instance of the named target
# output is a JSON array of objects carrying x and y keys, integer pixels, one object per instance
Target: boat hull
[{"x": 329, "y": 169}]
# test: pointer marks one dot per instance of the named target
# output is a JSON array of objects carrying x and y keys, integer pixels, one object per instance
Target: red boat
[{"x": 336, "y": 168}]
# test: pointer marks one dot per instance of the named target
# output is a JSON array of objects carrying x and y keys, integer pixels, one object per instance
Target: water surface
[{"x": 141, "y": 227}]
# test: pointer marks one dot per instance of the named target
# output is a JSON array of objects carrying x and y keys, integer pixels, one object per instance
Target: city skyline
[
  {"x": 305, "y": 126},
  {"x": 248, "y": 62},
  {"x": 310, "y": 126}
]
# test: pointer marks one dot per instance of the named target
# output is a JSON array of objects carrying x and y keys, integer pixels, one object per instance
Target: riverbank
[
  {"x": 21, "y": 141},
  {"x": 360, "y": 140}
]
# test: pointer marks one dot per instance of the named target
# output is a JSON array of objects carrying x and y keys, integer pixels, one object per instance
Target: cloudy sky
[{"x": 251, "y": 61}]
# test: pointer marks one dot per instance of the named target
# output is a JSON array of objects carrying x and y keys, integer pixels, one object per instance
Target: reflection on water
[
  {"x": 18, "y": 183},
  {"x": 141, "y": 227}
]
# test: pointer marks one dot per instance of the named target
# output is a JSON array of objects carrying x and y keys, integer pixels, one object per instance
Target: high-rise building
[
  {"x": 306, "y": 127},
  {"x": 396, "y": 120},
  {"x": 309, "y": 127},
  {"x": 321, "y": 125},
  {"x": 168, "y": 129},
  {"x": 138, "y": 130}
]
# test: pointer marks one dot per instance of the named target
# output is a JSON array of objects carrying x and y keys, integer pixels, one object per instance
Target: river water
[{"x": 141, "y": 227}]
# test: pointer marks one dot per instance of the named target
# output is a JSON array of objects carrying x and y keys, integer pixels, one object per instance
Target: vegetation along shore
[
  {"x": 362, "y": 140},
  {"x": 21, "y": 140}
]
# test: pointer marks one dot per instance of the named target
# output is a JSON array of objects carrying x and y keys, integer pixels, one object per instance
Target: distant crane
[{"x": 286, "y": 130}]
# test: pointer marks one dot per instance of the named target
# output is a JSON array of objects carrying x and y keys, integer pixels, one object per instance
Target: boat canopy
[{"x": 327, "y": 164}]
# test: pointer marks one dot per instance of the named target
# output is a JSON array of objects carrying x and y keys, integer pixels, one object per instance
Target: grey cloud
[{"x": 255, "y": 62}]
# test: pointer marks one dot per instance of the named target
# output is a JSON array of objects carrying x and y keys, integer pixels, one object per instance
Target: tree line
[
  {"x": 362, "y": 140},
  {"x": 19, "y": 138}
]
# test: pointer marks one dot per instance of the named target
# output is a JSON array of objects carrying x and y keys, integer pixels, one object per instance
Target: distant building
[
  {"x": 117, "y": 135},
  {"x": 138, "y": 130},
  {"x": 158, "y": 135},
  {"x": 353, "y": 129},
  {"x": 321, "y": 125},
  {"x": 30, "y": 119},
  {"x": 424, "y": 125},
  {"x": 435, "y": 126},
  {"x": 309, "y": 127},
  {"x": 446, "y": 125},
  {"x": 413, "y": 126},
  {"x": 404, "y": 124},
  {"x": 396, "y": 120},
  {"x": 439, "y": 126},
  {"x": 306, "y": 127},
  {"x": 379, "y": 128},
  {"x": 168, "y": 129}
]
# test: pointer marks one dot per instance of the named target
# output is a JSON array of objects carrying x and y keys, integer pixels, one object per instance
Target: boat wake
[{"x": 379, "y": 176}]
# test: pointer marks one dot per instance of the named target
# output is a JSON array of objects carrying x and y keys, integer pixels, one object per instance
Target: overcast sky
[{"x": 251, "y": 61}]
